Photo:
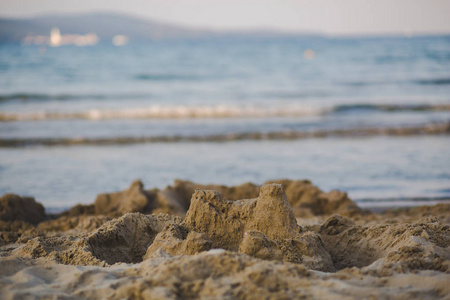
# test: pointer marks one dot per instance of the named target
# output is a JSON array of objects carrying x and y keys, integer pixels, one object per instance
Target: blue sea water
[{"x": 78, "y": 121}]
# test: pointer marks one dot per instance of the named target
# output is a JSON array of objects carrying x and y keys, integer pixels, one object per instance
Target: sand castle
[{"x": 221, "y": 248}]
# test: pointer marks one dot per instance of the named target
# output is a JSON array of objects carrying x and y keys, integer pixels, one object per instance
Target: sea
[{"x": 366, "y": 115}]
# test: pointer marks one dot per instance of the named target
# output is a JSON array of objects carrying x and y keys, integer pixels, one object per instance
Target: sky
[{"x": 334, "y": 17}]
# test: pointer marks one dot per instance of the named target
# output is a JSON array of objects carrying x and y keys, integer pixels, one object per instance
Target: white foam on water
[{"x": 170, "y": 112}]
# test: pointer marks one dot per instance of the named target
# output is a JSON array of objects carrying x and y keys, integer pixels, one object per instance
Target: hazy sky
[{"x": 327, "y": 16}]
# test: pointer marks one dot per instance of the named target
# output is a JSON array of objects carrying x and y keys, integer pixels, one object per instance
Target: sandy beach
[
  {"x": 284, "y": 240},
  {"x": 311, "y": 139}
]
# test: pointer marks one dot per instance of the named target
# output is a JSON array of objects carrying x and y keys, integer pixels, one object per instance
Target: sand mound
[
  {"x": 125, "y": 239},
  {"x": 263, "y": 227},
  {"x": 306, "y": 199},
  {"x": 21, "y": 232},
  {"x": 64, "y": 250},
  {"x": 135, "y": 199},
  {"x": 16, "y": 208},
  {"x": 80, "y": 210},
  {"x": 424, "y": 245}
]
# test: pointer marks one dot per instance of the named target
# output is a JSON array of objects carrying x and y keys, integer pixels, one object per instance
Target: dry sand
[{"x": 284, "y": 240}]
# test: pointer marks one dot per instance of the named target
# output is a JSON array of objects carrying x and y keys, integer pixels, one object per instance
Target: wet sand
[{"x": 286, "y": 239}]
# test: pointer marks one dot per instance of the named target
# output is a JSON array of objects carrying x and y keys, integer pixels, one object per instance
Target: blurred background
[{"x": 353, "y": 95}]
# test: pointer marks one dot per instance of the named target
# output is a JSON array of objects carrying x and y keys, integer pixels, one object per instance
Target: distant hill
[{"x": 106, "y": 26}]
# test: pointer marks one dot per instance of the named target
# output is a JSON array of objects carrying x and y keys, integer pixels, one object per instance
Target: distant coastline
[
  {"x": 106, "y": 26},
  {"x": 110, "y": 26}
]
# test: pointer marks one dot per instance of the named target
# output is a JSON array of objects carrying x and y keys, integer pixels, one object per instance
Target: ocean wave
[
  {"x": 222, "y": 111},
  {"x": 168, "y": 112},
  {"x": 51, "y": 97},
  {"x": 433, "y": 81},
  {"x": 424, "y": 129},
  {"x": 32, "y": 96},
  {"x": 166, "y": 77},
  {"x": 391, "y": 107},
  {"x": 294, "y": 94},
  {"x": 428, "y": 81}
]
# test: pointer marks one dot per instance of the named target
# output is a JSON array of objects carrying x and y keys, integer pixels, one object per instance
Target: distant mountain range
[{"x": 107, "y": 25}]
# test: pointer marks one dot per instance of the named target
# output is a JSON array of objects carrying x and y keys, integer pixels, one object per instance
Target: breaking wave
[
  {"x": 229, "y": 111},
  {"x": 162, "y": 112}
]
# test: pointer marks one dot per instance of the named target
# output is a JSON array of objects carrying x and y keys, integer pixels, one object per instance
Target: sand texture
[{"x": 283, "y": 240}]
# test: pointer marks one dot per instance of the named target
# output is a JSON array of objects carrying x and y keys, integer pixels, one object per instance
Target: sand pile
[
  {"x": 16, "y": 208},
  {"x": 263, "y": 227},
  {"x": 172, "y": 200},
  {"x": 421, "y": 245},
  {"x": 250, "y": 248},
  {"x": 305, "y": 199},
  {"x": 125, "y": 239}
]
